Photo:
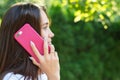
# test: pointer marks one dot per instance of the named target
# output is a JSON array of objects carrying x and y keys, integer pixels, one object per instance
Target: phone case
[{"x": 26, "y": 34}]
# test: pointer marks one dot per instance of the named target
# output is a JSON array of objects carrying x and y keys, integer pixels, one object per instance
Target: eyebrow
[{"x": 47, "y": 23}]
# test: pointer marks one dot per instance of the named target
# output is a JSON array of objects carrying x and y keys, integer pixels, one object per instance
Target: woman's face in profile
[{"x": 45, "y": 29}]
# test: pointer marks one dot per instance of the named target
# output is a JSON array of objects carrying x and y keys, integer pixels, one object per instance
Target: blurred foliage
[
  {"x": 87, "y": 37},
  {"x": 103, "y": 11}
]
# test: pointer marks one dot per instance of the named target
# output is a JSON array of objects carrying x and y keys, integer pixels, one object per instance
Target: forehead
[{"x": 44, "y": 19}]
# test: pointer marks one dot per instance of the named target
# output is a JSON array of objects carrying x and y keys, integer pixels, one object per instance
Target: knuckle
[
  {"x": 52, "y": 46},
  {"x": 48, "y": 58},
  {"x": 42, "y": 62},
  {"x": 45, "y": 48},
  {"x": 55, "y": 59}
]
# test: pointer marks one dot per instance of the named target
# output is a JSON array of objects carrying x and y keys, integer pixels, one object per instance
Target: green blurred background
[{"x": 87, "y": 36}]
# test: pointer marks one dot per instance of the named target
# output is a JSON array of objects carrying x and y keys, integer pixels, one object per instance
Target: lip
[{"x": 49, "y": 43}]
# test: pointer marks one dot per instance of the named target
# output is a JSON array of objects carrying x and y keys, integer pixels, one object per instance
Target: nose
[{"x": 51, "y": 34}]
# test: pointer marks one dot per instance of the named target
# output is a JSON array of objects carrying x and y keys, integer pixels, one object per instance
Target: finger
[
  {"x": 52, "y": 48},
  {"x": 56, "y": 55},
  {"x": 35, "y": 50},
  {"x": 45, "y": 46},
  {"x": 34, "y": 61}
]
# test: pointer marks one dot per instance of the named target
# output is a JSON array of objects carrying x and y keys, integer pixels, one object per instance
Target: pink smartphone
[{"x": 26, "y": 34}]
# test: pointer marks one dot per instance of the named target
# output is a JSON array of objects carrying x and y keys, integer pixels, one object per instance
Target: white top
[{"x": 12, "y": 76}]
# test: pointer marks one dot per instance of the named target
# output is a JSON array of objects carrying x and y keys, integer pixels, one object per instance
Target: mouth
[{"x": 49, "y": 43}]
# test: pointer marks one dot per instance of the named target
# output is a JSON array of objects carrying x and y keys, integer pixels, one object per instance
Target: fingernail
[{"x": 31, "y": 43}]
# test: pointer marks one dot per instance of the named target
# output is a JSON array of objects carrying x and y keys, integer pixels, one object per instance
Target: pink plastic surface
[{"x": 26, "y": 34}]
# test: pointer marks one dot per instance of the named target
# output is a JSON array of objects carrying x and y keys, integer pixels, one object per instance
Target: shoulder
[{"x": 12, "y": 76}]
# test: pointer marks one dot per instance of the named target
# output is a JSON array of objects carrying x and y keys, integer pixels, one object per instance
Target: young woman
[{"x": 15, "y": 62}]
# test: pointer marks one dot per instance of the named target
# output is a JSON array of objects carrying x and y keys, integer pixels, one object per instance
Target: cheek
[{"x": 44, "y": 33}]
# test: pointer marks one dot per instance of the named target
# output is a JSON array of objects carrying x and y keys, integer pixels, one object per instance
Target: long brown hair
[{"x": 13, "y": 58}]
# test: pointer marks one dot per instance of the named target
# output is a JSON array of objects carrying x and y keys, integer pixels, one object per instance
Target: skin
[{"x": 49, "y": 62}]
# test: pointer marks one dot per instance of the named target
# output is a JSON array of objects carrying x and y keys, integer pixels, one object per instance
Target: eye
[{"x": 45, "y": 27}]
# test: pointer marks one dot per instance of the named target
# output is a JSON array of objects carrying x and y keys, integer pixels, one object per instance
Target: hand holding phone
[{"x": 26, "y": 34}]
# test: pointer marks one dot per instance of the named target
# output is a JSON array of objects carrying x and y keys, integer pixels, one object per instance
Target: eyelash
[{"x": 45, "y": 27}]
